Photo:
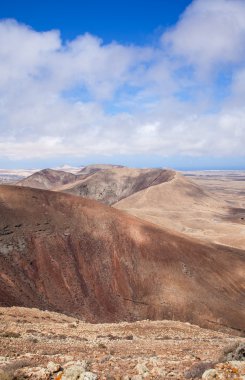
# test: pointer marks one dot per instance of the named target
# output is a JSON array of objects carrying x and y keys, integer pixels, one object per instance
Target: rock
[
  {"x": 88, "y": 376},
  {"x": 239, "y": 366},
  {"x": 37, "y": 373},
  {"x": 141, "y": 369},
  {"x": 224, "y": 371},
  {"x": 159, "y": 372},
  {"x": 53, "y": 367},
  {"x": 73, "y": 324},
  {"x": 137, "y": 377},
  {"x": 209, "y": 374},
  {"x": 68, "y": 358},
  {"x": 81, "y": 363},
  {"x": 74, "y": 372}
]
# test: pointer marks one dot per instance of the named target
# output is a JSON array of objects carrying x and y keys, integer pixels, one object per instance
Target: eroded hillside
[{"x": 76, "y": 256}]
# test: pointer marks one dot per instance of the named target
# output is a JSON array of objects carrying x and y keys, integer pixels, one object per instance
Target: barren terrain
[
  {"x": 228, "y": 185},
  {"x": 191, "y": 208},
  {"x": 164, "y": 349},
  {"x": 48, "y": 179},
  {"x": 208, "y": 206},
  {"x": 74, "y": 255},
  {"x": 95, "y": 263},
  {"x": 110, "y": 185}
]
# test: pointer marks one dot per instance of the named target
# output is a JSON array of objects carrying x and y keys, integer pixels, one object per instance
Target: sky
[{"x": 140, "y": 83}]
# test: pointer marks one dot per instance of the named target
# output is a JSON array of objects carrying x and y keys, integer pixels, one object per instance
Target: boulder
[
  {"x": 53, "y": 367},
  {"x": 74, "y": 372}
]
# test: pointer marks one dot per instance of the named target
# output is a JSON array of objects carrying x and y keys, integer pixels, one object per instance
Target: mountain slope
[
  {"x": 90, "y": 169},
  {"x": 110, "y": 185},
  {"x": 76, "y": 256},
  {"x": 48, "y": 179},
  {"x": 181, "y": 205},
  {"x": 167, "y": 349}
]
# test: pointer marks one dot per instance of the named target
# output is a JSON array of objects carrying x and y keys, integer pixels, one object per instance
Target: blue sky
[
  {"x": 134, "y": 21},
  {"x": 140, "y": 83}
]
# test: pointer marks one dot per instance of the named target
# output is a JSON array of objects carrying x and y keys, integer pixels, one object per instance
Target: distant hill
[
  {"x": 110, "y": 185},
  {"x": 90, "y": 169},
  {"x": 183, "y": 206},
  {"x": 47, "y": 179},
  {"x": 105, "y": 183},
  {"x": 161, "y": 196}
]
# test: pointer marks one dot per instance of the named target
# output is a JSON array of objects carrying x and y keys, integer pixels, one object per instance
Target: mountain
[
  {"x": 164, "y": 197},
  {"x": 183, "y": 206},
  {"x": 48, "y": 179},
  {"x": 106, "y": 183},
  {"x": 90, "y": 169},
  {"x": 82, "y": 258},
  {"x": 110, "y": 185}
]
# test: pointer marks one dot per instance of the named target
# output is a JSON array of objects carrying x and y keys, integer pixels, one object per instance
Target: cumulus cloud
[
  {"x": 209, "y": 33},
  {"x": 83, "y": 97}
]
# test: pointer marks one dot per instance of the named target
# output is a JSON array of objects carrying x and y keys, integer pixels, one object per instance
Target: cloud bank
[{"x": 79, "y": 98}]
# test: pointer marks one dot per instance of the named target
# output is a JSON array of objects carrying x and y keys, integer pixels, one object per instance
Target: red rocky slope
[{"x": 76, "y": 256}]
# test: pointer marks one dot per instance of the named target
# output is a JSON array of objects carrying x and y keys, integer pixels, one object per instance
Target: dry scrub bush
[{"x": 197, "y": 369}]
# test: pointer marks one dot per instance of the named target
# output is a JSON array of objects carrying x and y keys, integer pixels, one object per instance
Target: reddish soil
[
  {"x": 168, "y": 349},
  {"x": 79, "y": 257}
]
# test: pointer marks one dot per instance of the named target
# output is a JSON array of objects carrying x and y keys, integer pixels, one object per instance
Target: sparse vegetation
[
  {"x": 234, "y": 351},
  {"x": 197, "y": 370},
  {"x": 10, "y": 334}
]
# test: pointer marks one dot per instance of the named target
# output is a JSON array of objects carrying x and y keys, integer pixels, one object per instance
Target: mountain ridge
[{"x": 74, "y": 255}]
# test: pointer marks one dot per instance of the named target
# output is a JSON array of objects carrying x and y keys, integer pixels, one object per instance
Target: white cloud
[
  {"x": 210, "y": 32},
  {"x": 85, "y": 97},
  {"x": 23, "y": 51}
]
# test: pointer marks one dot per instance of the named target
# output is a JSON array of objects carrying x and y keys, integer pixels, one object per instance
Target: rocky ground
[{"x": 44, "y": 345}]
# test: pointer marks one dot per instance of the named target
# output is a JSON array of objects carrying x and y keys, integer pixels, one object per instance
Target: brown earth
[
  {"x": 207, "y": 205},
  {"x": 228, "y": 185},
  {"x": 167, "y": 349},
  {"x": 90, "y": 169},
  {"x": 47, "y": 179},
  {"x": 52, "y": 179},
  {"x": 105, "y": 183},
  {"x": 76, "y": 256},
  {"x": 110, "y": 185},
  {"x": 183, "y": 205}
]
